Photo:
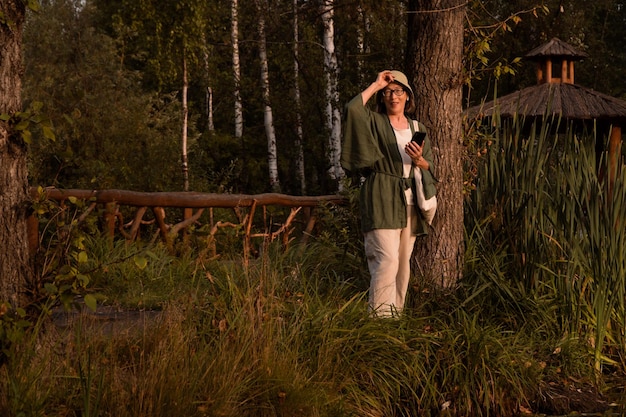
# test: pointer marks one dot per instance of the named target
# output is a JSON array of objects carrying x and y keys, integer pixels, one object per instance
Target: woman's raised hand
[{"x": 384, "y": 78}]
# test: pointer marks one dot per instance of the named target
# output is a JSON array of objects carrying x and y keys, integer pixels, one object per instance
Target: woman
[{"x": 378, "y": 144}]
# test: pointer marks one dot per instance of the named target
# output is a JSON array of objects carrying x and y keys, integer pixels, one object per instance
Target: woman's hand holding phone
[
  {"x": 418, "y": 137},
  {"x": 415, "y": 152}
]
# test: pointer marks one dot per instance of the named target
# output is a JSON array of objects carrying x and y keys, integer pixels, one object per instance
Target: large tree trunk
[
  {"x": 15, "y": 270},
  {"x": 434, "y": 62}
]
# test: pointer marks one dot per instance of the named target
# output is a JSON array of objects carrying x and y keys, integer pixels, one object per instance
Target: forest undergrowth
[{"x": 535, "y": 327}]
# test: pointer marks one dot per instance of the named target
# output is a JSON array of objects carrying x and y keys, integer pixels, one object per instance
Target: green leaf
[
  {"x": 82, "y": 257},
  {"x": 90, "y": 301},
  {"x": 48, "y": 133},
  {"x": 37, "y": 105},
  {"x": 33, "y": 5},
  {"x": 50, "y": 288},
  {"x": 141, "y": 262},
  {"x": 83, "y": 280},
  {"x": 22, "y": 125},
  {"x": 27, "y": 136}
]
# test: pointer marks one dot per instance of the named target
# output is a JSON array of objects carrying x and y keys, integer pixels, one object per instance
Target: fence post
[
  {"x": 109, "y": 219},
  {"x": 32, "y": 227}
]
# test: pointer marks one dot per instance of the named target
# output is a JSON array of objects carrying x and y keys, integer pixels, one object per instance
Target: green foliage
[
  {"x": 489, "y": 23},
  {"x": 109, "y": 75},
  {"x": 20, "y": 123},
  {"x": 109, "y": 133},
  {"x": 64, "y": 265},
  {"x": 14, "y": 324}
]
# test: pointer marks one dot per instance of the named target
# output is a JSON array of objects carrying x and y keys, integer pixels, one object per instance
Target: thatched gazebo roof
[
  {"x": 570, "y": 101},
  {"x": 555, "y": 92}
]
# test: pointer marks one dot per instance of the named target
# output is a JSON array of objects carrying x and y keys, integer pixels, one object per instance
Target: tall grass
[
  {"x": 285, "y": 335},
  {"x": 545, "y": 208},
  {"x": 595, "y": 235}
]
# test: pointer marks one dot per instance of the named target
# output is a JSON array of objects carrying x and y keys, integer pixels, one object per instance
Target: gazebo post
[{"x": 615, "y": 142}]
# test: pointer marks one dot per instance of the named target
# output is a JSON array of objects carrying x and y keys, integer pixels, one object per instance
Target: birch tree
[
  {"x": 268, "y": 117},
  {"x": 234, "y": 39},
  {"x": 208, "y": 94},
  {"x": 331, "y": 71},
  {"x": 297, "y": 101},
  {"x": 15, "y": 270},
  {"x": 363, "y": 27},
  {"x": 435, "y": 64},
  {"x": 184, "y": 133}
]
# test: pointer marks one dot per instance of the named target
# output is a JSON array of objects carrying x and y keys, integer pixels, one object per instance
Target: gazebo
[{"x": 556, "y": 94}]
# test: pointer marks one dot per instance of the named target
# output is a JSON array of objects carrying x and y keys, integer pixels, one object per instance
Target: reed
[{"x": 547, "y": 208}]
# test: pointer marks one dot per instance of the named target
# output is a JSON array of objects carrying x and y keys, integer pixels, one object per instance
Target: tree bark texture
[
  {"x": 15, "y": 270},
  {"x": 434, "y": 65}
]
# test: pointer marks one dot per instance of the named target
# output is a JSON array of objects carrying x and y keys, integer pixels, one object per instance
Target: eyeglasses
[{"x": 398, "y": 92}]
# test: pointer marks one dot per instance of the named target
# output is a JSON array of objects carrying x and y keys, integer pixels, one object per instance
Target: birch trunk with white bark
[
  {"x": 333, "y": 114},
  {"x": 297, "y": 101},
  {"x": 234, "y": 37},
  {"x": 185, "y": 164},
  {"x": 362, "y": 29},
  {"x": 209, "y": 91},
  {"x": 268, "y": 118}
]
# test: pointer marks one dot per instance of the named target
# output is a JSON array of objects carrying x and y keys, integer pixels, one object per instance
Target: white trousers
[{"x": 388, "y": 253}]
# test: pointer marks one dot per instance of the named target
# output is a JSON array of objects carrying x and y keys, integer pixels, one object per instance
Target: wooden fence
[{"x": 193, "y": 205}]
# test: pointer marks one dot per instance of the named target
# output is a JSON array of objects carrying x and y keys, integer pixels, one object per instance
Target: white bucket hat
[{"x": 401, "y": 79}]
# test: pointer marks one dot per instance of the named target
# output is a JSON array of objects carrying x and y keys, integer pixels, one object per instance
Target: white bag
[{"x": 428, "y": 207}]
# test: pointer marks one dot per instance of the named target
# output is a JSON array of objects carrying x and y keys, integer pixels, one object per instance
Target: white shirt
[{"x": 403, "y": 137}]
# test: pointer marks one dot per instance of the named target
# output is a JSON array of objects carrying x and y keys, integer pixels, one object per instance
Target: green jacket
[{"x": 369, "y": 146}]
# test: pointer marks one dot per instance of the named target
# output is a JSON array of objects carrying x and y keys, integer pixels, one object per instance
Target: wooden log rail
[{"x": 188, "y": 201}]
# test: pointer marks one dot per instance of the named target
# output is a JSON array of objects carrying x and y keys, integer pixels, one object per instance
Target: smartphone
[{"x": 418, "y": 137}]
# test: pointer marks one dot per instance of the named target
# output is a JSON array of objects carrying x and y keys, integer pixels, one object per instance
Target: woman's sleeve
[{"x": 360, "y": 147}]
